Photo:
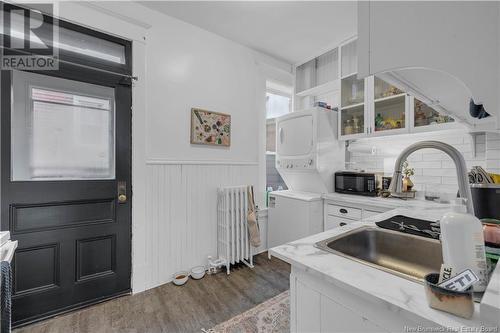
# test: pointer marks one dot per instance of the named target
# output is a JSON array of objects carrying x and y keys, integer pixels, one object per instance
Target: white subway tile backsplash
[
  {"x": 449, "y": 180},
  {"x": 481, "y": 138},
  {"x": 463, "y": 148},
  {"x": 419, "y": 187},
  {"x": 448, "y": 188},
  {"x": 493, "y": 154},
  {"x": 433, "y": 169},
  {"x": 427, "y": 179},
  {"x": 419, "y": 172},
  {"x": 415, "y": 157},
  {"x": 493, "y": 164},
  {"x": 426, "y": 164},
  {"x": 492, "y": 136},
  {"x": 448, "y": 164},
  {"x": 435, "y": 157},
  {"x": 493, "y": 144},
  {"x": 439, "y": 172}
]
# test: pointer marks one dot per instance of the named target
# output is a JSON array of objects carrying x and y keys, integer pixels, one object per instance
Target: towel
[
  {"x": 253, "y": 226},
  {"x": 5, "y": 296},
  {"x": 478, "y": 175}
]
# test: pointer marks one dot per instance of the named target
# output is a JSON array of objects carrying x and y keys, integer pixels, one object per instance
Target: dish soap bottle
[{"x": 462, "y": 240}]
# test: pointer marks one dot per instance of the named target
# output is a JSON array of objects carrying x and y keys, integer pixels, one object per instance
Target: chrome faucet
[{"x": 396, "y": 186}]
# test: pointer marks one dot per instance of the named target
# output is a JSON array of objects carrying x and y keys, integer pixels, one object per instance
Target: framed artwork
[{"x": 210, "y": 128}]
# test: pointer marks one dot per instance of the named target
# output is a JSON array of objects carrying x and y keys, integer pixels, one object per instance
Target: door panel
[
  {"x": 95, "y": 257},
  {"x": 26, "y": 218},
  {"x": 60, "y": 171},
  {"x": 47, "y": 276}
]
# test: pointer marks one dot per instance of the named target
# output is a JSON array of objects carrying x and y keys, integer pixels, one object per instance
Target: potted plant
[{"x": 407, "y": 173}]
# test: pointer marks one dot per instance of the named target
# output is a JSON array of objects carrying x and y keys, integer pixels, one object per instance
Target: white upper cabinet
[
  {"x": 318, "y": 81},
  {"x": 443, "y": 53},
  {"x": 353, "y": 113}
]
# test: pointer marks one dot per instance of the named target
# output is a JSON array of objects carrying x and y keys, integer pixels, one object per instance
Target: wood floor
[{"x": 168, "y": 308}]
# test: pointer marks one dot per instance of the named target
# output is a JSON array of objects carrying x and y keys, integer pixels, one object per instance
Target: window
[
  {"x": 61, "y": 129},
  {"x": 78, "y": 43},
  {"x": 278, "y": 103}
]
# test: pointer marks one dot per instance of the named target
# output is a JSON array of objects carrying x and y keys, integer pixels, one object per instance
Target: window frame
[
  {"x": 272, "y": 120},
  {"x": 70, "y": 57},
  {"x": 28, "y": 82}
]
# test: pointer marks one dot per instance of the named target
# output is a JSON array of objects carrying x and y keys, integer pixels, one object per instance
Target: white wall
[
  {"x": 181, "y": 66},
  {"x": 434, "y": 170}
]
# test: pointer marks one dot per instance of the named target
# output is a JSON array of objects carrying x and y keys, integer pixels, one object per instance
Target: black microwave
[{"x": 360, "y": 183}]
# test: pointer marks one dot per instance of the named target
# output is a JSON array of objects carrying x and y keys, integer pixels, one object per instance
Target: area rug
[{"x": 271, "y": 316}]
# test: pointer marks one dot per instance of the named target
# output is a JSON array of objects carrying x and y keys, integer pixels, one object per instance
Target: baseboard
[{"x": 67, "y": 309}]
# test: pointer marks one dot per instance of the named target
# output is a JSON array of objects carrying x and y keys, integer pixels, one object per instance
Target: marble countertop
[
  {"x": 389, "y": 203},
  {"x": 406, "y": 295}
]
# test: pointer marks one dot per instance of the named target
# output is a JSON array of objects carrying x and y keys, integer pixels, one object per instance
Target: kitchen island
[{"x": 331, "y": 293}]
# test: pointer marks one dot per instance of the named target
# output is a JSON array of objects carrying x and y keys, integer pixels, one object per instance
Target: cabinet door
[
  {"x": 353, "y": 112},
  {"x": 308, "y": 309},
  {"x": 390, "y": 109},
  {"x": 332, "y": 221},
  {"x": 424, "y": 118},
  {"x": 337, "y": 318}
]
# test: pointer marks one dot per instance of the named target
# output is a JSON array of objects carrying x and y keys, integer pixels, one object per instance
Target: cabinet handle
[
  {"x": 343, "y": 210},
  {"x": 341, "y": 224}
]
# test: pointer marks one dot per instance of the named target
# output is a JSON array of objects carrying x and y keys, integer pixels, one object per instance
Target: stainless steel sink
[{"x": 405, "y": 255}]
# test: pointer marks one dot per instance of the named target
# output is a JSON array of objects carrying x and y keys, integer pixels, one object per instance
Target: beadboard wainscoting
[{"x": 181, "y": 216}]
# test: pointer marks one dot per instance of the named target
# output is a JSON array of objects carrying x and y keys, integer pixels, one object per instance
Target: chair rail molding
[{"x": 161, "y": 161}]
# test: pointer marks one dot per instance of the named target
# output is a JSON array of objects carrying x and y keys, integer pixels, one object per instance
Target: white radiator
[{"x": 233, "y": 243}]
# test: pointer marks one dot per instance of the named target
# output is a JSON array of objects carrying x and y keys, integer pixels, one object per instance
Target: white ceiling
[{"x": 293, "y": 31}]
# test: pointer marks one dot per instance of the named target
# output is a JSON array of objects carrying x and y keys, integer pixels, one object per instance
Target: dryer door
[{"x": 295, "y": 136}]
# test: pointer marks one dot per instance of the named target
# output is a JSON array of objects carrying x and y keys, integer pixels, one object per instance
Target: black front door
[{"x": 66, "y": 186}]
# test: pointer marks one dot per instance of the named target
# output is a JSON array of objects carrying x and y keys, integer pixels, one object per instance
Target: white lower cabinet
[
  {"x": 316, "y": 312},
  {"x": 308, "y": 309},
  {"x": 321, "y": 306},
  {"x": 337, "y": 318},
  {"x": 335, "y": 221},
  {"x": 337, "y": 214}
]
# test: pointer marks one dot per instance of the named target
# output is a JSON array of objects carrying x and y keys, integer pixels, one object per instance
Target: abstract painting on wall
[{"x": 210, "y": 128}]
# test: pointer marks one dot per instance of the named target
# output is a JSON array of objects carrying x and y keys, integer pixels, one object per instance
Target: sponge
[{"x": 495, "y": 177}]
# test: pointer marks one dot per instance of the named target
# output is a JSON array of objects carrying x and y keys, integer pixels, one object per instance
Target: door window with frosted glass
[{"x": 61, "y": 129}]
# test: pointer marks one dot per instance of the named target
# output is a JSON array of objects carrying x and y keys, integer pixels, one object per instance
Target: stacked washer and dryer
[{"x": 307, "y": 155}]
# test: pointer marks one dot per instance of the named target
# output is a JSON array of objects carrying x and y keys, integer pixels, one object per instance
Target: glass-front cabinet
[
  {"x": 367, "y": 107},
  {"x": 425, "y": 118},
  {"x": 352, "y": 121},
  {"x": 353, "y": 112},
  {"x": 390, "y": 109},
  {"x": 352, "y": 91}
]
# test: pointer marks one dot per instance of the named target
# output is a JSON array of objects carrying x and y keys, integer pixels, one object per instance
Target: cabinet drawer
[
  {"x": 332, "y": 221},
  {"x": 345, "y": 212}
]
